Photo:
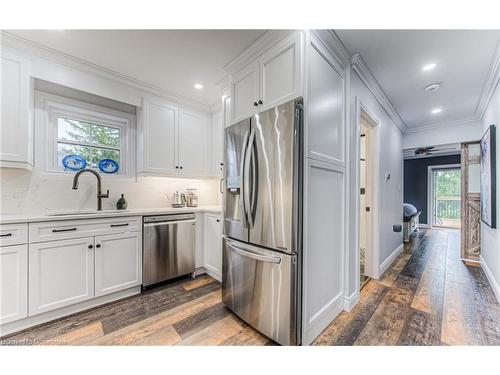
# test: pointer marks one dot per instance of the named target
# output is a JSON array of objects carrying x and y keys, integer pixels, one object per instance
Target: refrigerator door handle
[
  {"x": 243, "y": 178},
  {"x": 246, "y": 173},
  {"x": 259, "y": 257}
]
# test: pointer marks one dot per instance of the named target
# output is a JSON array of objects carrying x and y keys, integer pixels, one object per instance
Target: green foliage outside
[{"x": 447, "y": 191}]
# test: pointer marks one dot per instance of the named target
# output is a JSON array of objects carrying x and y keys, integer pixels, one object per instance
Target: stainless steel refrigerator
[{"x": 261, "y": 267}]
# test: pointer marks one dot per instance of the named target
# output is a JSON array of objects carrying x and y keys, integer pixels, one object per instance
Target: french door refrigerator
[{"x": 261, "y": 270}]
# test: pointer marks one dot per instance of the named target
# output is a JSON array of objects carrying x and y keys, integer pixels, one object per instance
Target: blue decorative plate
[
  {"x": 108, "y": 166},
  {"x": 74, "y": 162}
]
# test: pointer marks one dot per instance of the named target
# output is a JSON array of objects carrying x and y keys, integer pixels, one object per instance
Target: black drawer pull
[
  {"x": 118, "y": 225},
  {"x": 6, "y": 235},
  {"x": 63, "y": 230}
]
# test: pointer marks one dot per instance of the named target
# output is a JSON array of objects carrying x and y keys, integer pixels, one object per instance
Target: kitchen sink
[{"x": 69, "y": 213}]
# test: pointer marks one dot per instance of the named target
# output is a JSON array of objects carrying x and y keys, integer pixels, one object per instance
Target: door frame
[
  {"x": 372, "y": 241},
  {"x": 430, "y": 189}
]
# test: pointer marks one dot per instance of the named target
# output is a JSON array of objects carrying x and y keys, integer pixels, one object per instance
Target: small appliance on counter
[
  {"x": 121, "y": 204},
  {"x": 179, "y": 200},
  {"x": 191, "y": 198}
]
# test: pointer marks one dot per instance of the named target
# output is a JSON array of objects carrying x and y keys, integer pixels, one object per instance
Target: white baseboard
[
  {"x": 491, "y": 278},
  {"x": 213, "y": 272},
  {"x": 351, "y": 301},
  {"x": 390, "y": 259}
]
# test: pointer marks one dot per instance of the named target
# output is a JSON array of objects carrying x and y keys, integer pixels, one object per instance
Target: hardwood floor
[{"x": 427, "y": 297}]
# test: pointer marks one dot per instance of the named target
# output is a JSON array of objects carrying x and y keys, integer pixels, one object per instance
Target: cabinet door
[
  {"x": 61, "y": 273},
  {"x": 280, "y": 72},
  {"x": 159, "y": 137},
  {"x": 118, "y": 262},
  {"x": 217, "y": 143},
  {"x": 213, "y": 245},
  {"x": 14, "y": 283},
  {"x": 16, "y": 140},
  {"x": 244, "y": 92},
  {"x": 194, "y": 140}
]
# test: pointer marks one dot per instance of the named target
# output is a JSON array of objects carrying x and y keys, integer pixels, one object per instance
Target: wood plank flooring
[{"x": 428, "y": 297}]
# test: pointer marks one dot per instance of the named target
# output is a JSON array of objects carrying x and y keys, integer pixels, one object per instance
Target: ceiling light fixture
[
  {"x": 433, "y": 87},
  {"x": 435, "y": 111},
  {"x": 198, "y": 86},
  {"x": 428, "y": 67}
]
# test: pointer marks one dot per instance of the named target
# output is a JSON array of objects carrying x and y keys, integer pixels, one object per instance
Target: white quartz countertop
[{"x": 49, "y": 216}]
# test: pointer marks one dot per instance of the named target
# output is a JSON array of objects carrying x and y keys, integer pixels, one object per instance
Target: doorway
[{"x": 445, "y": 196}]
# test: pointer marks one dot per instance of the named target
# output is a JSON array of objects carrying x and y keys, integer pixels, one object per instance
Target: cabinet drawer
[
  {"x": 55, "y": 230},
  {"x": 13, "y": 234}
]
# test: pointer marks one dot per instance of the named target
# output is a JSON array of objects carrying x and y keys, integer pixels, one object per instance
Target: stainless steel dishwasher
[{"x": 169, "y": 247}]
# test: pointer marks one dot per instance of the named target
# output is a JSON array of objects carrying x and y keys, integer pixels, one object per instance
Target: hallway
[{"x": 428, "y": 297}]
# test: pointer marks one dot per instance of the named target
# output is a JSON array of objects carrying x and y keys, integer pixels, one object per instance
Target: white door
[
  {"x": 16, "y": 143},
  {"x": 213, "y": 245},
  {"x": 160, "y": 142},
  {"x": 280, "y": 73},
  {"x": 245, "y": 92},
  {"x": 118, "y": 262},
  {"x": 61, "y": 273},
  {"x": 14, "y": 283},
  {"x": 194, "y": 139}
]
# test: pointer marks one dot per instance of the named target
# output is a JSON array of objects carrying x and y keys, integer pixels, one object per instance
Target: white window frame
[{"x": 52, "y": 107}]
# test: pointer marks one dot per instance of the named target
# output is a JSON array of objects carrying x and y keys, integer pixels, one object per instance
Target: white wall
[
  {"x": 490, "y": 238},
  {"x": 390, "y": 194},
  {"x": 455, "y": 133}
]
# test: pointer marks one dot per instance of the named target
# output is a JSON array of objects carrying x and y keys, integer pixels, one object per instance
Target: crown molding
[
  {"x": 52, "y": 55},
  {"x": 446, "y": 124},
  {"x": 332, "y": 42},
  {"x": 268, "y": 39},
  {"x": 490, "y": 85},
  {"x": 224, "y": 84},
  {"x": 361, "y": 69}
]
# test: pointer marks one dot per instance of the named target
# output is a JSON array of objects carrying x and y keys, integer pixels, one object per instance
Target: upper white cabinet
[
  {"x": 158, "y": 148},
  {"x": 273, "y": 78},
  {"x": 61, "y": 273},
  {"x": 173, "y": 140},
  {"x": 245, "y": 92},
  {"x": 118, "y": 262},
  {"x": 16, "y": 114}
]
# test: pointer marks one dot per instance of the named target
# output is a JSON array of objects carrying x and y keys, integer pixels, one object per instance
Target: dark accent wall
[{"x": 415, "y": 180}]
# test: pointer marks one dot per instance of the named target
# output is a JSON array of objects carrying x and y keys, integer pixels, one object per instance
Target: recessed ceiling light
[
  {"x": 428, "y": 67},
  {"x": 198, "y": 86},
  {"x": 433, "y": 87},
  {"x": 435, "y": 111}
]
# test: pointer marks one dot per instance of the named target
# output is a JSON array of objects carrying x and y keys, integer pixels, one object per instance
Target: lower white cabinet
[
  {"x": 212, "y": 240},
  {"x": 118, "y": 262},
  {"x": 13, "y": 283},
  {"x": 61, "y": 273}
]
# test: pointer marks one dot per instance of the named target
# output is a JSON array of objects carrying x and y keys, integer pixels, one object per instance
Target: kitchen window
[{"x": 92, "y": 132}]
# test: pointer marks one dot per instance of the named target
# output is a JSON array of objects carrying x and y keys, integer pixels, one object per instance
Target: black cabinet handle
[
  {"x": 176, "y": 167},
  {"x": 181, "y": 167},
  {"x": 98, "y": 246},
  {"x": 260, "y": 102},
  {"x": 6, "y": 235},
  {"x": 218, "y": 220},
  {"x": 118, "y": 225},
  {"x": 63, "y": 230},
  {"x": 90, "y": 246},
  {"x": 255, "y": 104}
]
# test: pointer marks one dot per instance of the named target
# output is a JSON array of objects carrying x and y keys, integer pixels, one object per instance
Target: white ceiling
[
  {"x": 173, "y": 60},
  {"x": 396, "y": 57}
]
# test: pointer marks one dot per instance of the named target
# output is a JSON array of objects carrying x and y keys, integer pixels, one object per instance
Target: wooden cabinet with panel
[
  {"x": 16, "y": 138},
  {"x": 273, "y": 78},
  {"x": 118, "y": 262},
  {"x": 212, "y": 244}
]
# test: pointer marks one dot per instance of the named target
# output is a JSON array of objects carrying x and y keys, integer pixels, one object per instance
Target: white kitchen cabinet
[
  {"x": 245, "y": 92},
  {"x": 61, "y": 273},
  {"x": 157, "y": 151},
  {"x": 280, "y": 75},
  {"x": 217, "y": 143},
  {"x": 212, "y": 240},
  {"x": 273, "y": 78},
  {"x": 194, "y": 141},
  {"x": 13, "y": 283},
  {"x": 16, "y": 140},
  {"x": 118, "y": 262}
]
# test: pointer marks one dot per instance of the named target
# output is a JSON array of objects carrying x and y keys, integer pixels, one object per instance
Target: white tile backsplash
[{"x": 35, "y": 192}]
